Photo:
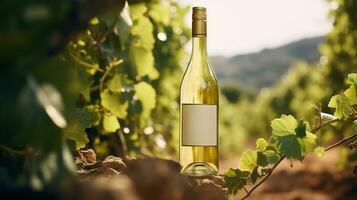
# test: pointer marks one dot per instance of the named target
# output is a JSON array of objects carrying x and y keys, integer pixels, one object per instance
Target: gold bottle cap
[
  {"x": 199, "y": 24},
  {"x": 199, "y": 13}
]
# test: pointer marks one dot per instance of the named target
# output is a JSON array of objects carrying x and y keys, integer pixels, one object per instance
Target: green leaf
[
  {"x": 254, "y": 176},
  {"x": 86, "y": 81},
  {"x": 143, "y": 32},
  {"x": 308, "y": 143},
  {"x": 261, "y": 144},
  {"x": 143, "y": 60},
  {"x": 230, "y": 173},
  {"x": 116, "y": 83},
  {"x": 351, "y": 92},
  {"x": 110, "y": 123},
  {"x": 341, "y": 105},
  {"x": 236, "y": 179},
  {"x": 285, "y": 125},
  {"x": 272, "y": 156},
  {"x": 147, "y": 96},
  {"x": 96, "y": 114},
  {"x": 76, "y": 128},
  {"x": 160, "y": 13},
  {"x": 262, "y": 159},
  {"x": 289, "y": 146},
  {"x": 319, "y": 151},
  {"x": 248, "y": 161},
  {"x": 352, "y": 79},
  {"x": 301, "y": 129},
  {"x": 137, "y": 10},
  {"x": 113, "y": 103}
]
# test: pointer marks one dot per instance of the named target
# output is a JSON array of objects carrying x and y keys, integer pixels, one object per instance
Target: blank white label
[{"x": 199, "y": 125}]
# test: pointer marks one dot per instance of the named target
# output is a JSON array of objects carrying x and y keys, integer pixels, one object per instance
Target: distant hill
[{"x": 254, "y": 71}]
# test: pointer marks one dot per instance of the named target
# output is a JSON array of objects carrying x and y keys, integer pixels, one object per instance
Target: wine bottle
[{"x": 199, "y": 106}]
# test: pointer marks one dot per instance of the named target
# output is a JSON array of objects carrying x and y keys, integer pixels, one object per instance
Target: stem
[
  {"x": 85, "y": 64},
  {"x": 245, "y": 189},
  {"x": 102, "y": 79},
  {"x": 341, "y": 142},
  {"x": 324, "y": 124}
]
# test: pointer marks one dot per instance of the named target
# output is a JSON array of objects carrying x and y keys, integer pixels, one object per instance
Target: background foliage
[{"x": 130, "y": 63}]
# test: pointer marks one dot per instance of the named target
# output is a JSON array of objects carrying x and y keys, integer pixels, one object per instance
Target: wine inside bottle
[{"x": 199, "y": 106}]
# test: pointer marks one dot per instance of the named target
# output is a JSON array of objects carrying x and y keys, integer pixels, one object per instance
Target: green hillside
[{"x": 254, "y": 71}]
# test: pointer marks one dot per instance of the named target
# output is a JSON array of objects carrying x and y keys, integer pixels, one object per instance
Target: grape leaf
[
  {"x": 289, "y": 146},
  {"x": 116, "y": 83},
  {"x": 319, "y": 151},
  {"x": 110, "y": 123},
  {"x": 147, "y": 95},
  {"x": 96, "y": 115},
  {"x": 76, "y": 128},
  {"x": 285, "y": 125},
  {"x": 352, "y": 79},
  {"x": 341, "y": 105},
  {"x": 308, "y": 143},
  {"x": 236, "y": 179},
  {"x": 112, "y": 102},
  {"x": 143, "y": 60},
  {"x": 272, "y": 156},
  {"x": 301, "y": 129},
  {"x": 351, "y": 92},
  {"x": 261, "y": 144},
  {"x": 254, "y": 175},
  {"x": 143, "y": 30},
  {"x": 137, "y": 10},
  {"x": 86, "y": 83},
  {"x": 160, "y": 13},
  {"x": 262, "y": 159},
  {"x": 248, "y": 160}
]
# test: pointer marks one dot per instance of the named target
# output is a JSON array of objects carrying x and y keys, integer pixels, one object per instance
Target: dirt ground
[
  {"x": 146, "y": 178},
  {"x": 156, "y": 179}
]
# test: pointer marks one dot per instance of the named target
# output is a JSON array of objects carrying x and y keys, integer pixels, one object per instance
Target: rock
[
  {"x": 156, "y": 179},
  {"x": 87, "y": 155},
  {"x": 209, "y": 188},
  {"x": 219, "y": 180},
  {"x": 115, "y": 163}
]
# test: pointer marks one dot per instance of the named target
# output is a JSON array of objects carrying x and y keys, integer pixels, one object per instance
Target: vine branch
[
  {"x": 341, "y": 142},
  {"x": 102, "y": 79}
]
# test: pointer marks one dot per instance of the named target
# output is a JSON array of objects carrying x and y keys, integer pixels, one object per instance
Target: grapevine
[{"x": 293, "y": 140}]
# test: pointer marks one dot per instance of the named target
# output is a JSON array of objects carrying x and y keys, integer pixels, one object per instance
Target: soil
[{"x": 157, "y": 179}]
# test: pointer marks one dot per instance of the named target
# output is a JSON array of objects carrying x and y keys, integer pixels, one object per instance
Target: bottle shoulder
[{"x": 199, "y": 85}]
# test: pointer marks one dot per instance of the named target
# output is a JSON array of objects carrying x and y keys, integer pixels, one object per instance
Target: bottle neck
[{"x": 199, "y": 46}]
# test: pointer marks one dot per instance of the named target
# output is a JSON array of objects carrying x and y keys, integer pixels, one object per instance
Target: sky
[{"x": 243, "y": 26}]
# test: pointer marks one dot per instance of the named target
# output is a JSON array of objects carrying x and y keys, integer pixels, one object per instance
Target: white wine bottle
[{"x": 199, "y": 106}]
